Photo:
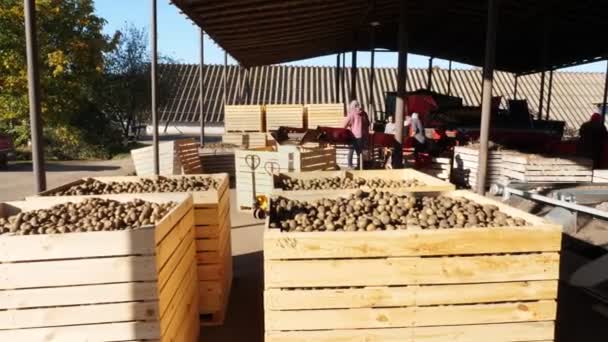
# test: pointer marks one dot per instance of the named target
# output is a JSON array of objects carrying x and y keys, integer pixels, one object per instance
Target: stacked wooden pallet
[
  {"x": 497, "y": 284},
  {"x": 600, "y": 176},
  {"x": 532, "y": 168},
  {"x": 325, "y": 115},
  {"x": 244, "y": 118},
  {"x": 143, "y": 159},
  {"x": 440, "y": 167},
  {"x": 284, "y": 115},
  {"x": 465, "y": 166},
  {"x": 255, "y": 168},
  {"x": 103, "y": 285},
  {"x": 245, "y": 140},
  {"x": 213, "y": 241},
  {"x": 342, "y": 156}
]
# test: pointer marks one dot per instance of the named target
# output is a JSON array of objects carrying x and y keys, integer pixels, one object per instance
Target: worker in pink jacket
[{"x": 358, "y": 123}]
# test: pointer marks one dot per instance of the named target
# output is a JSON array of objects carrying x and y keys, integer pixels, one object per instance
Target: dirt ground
[{"x": 579, "y": 317}]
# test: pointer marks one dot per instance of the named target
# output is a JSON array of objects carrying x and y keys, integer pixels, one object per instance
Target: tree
[
  {"x": 71, "y": 51},
  {"x": 125, "y": 94}
]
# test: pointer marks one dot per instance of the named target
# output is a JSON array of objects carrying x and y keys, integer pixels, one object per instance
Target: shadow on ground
[{"x": 59, "y": 167}]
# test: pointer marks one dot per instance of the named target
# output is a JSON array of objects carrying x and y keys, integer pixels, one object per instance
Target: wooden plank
[
  {"x": 502, "y": 332},
  {"x": 410, "y": 271},
  {"x": 167, "y": 271},
  {"x": 184, "y": 297},
  {"x": 73, "y": 315},
  {"x": 410, "y": 316},
  {"x": 183, "y": 231},
  {"x": 243, "y": 118},
  {"x": 125, "y": 331},
  {"x": 77, "y": 295},
  {"x": 172, "y": 286},
  {"x": 210, "y": 294},
  {"x": 314, "y": 245},
  {"x": 77, "y": 272},
  {"x": 383, "y": 296}
]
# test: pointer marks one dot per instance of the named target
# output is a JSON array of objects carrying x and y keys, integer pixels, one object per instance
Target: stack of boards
[{"x": 465, "y": 167}]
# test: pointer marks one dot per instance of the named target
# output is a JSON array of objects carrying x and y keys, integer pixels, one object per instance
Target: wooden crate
[
  {"x": 244, "y": 118},
  {"x": 431, "y": 184},
  {"x": 325, "y": 115},
  {"x": 271, "y": 162},
  {"x": 342, "y": 156},
  {"x": 600, "y": 176},
  {"x": 245, "y": 140},
  {"x": 101, "y": 286},
  {"x": 532, "y": 168},
  {"x": 413, "y": 285},
  {"x": 440, "y": 167},
  {"x": 213, "y": 240},
  {"x": 284, "y": 115},
  {"x": 143, "y": 160},
  {"x": 465, "y": 166}
]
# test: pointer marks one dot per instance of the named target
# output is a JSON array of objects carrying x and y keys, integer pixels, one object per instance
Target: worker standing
[
  {"x": 592, "y": 135},
  {"x": 417, "y": 131},
  {"x": 358, "y": 123}
]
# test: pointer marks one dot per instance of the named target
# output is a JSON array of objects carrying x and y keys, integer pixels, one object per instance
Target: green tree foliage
[{"x": 71, "y": 59}]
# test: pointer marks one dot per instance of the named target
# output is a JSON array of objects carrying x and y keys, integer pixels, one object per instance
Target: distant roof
[
  {"x": 264, "y": 32},
  {"x": 573, "y": 98}
]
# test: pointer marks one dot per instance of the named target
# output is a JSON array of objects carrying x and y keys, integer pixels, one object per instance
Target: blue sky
[{"x": 178, "y": 37}]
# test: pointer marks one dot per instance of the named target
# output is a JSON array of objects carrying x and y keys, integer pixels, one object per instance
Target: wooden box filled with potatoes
[
  {"x": 319, "y": 182},
  {"x": 211, "y": 200},
  {"x": 393, "y": 266},
  {"x": 106, "y": 268}
]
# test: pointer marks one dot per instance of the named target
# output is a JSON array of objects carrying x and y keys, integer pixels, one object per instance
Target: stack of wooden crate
[
  {"x": 600, "y": 176},
  {"x": 255, "y": 168},
  {"x": 324, "y": 115},
  {"x": 104, "y": 285},
  {"x": 284, "y": 115},
  {"x": 213, "y": 240},
  {"x": 531, "y": 168},
  {"x": 465, "y": 166},
  {"x": 466, "y": 284},
  {"x": 440, "y": 167},
  {"x": 143, "y": 159},
  {"x": 245, "y": 140},
  {"x": 244, "y": 118}
]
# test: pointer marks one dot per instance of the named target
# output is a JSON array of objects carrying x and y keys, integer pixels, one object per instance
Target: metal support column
[
  {"x": 201, "y": 85},
  {"x": 604, "y": 109},
  {"x": 337, "y": 97},
  {"x": 153, "y": 78},
  {"x": 549, "y": 95},
  {"x": 486, "y": 104},
  {"x": 450, "y": 78},
  {"x": 429, "y": 81},
  {"x": 353, "y": 76},
  {"x": 247, "y": 86},
  {"x": 33, "y": 88},
  {"x": 372, "y": 73},
  {"x": 515, "y": 87},
  {"x": 541, "y": 96},
  {"x": 400, "y": 102},
  {"x": 224, "y": 80}
]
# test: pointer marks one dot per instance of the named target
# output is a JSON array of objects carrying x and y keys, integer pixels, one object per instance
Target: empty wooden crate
[
  {"x": 284, "y": 115},
  {"x": 533, "y": 168},
  {"x": 103, "y": 285},
  {"x": 324, "y": 115},
  {"x": 143, "y": 160},
  {"x": 459, "y": 284},
  {"x": 244, "y": 118}
]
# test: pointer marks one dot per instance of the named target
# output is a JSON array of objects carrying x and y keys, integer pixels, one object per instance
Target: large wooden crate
[
  {"x": 213, "y": 241},
  {"x": 475, "y": 284},
  {"x": 325, "y": 115},
  {"x": 440, "y": 167},
  {"x": 245, "y": 140},
  {"x": 533, "y": 168},
  {"x": 342, "y": 156},
  {"x": 430, "y": 184},
  {"x": 271, "y": 162},
  {"x": 101, "y": 286},
  {"x": 466, "y": 165},
  {"x": 284, "y": 115},
  {"x": 600, "y": 176},
  {"x": 244, "y": 118},
  {"x": 143, "y": 160}
]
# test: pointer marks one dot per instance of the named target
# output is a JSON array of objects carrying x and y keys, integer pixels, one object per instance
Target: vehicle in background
[{"x": 7, "y": 150}]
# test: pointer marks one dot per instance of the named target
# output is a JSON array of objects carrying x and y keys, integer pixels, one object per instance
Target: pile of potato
[
  {"x": 375, "y": 210},
  {"x": 90, "y": 215},
  {"x": 162, "y": 184},
  {"x": 336, "y": 183}
]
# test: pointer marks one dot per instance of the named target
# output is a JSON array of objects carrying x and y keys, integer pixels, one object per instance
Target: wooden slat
[
  {"x": 376, "y": 297},
  {"x": 185, "y": 296},
  {"x": 126, "y": 331},
  {"x": 183, "y": 230},
  {"x": 168, "y": 292},
  {"x": 505, "y": 332},
  {"x": 408, "y": 271},
  {"x": 410, "y": 316}
]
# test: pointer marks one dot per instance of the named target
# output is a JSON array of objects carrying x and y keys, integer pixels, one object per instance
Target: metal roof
[
  {"x": 530, "y": 34},
  {"x": 573, "y": 97}
]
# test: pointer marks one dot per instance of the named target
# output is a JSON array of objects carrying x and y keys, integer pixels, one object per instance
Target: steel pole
[
  {"x": 33, "y": 88},
  {"x": 549, "y": 95},
  {"x": 224, "y": 80},
  {"x": 450, "y": 78},
  {"x": 486, "y": 104},
  {"x": 353, "y": 75},
  {"x": 604, "y": 109},
  {"x": 429, "y": 81},
  {"x": 400, "y": 101},
  {"x": 201, "y": 84},
  {"x": 372, "y": 73},
  {"x": 515, "y": 87},
  {"x": 337, "y": 96},
  {"x": 153, "y": 76},
  {"x": 542, "y": 96}
]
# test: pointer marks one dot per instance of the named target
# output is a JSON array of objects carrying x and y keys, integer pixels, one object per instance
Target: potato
[{"x": 162, "y": 184}]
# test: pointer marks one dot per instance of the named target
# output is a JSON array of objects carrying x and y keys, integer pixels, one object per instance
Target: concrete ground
[{"x": 581, "y": 317}]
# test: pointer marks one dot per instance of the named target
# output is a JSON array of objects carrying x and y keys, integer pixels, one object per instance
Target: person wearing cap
[
  {"x": 591, "y": 138},
  {"x": 358, "y": 123}
]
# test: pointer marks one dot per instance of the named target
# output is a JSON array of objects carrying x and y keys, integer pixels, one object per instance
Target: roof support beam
[
  {"x": 337, "y": 94},
  {"x": 605, "y": 100},
  {"x": 201, "y": 85},
  {"x": 450, "y": 78},
  {"x": 33, "y": 87},
  {"x": 541, "y": 96},
  {"x": 372, "y": 71},
  {"x": 353, "y": 75},
  {"x": 153, "y": 79},
  {"x": 400, "y": 101},
  {"x": 515, "y": 87},
  {"x": 549, "y": 95},
  {"x": 429, "y": 80},
  {"x": 486, "y": 104}
]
